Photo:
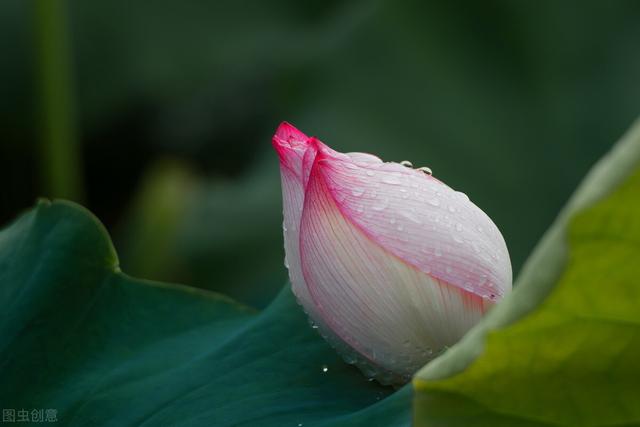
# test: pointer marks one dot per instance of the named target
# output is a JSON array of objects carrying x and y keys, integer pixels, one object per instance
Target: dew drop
[
  {"x": 434, "y": 202},
  {"x": 452, "y": 209},
  {"x": 392, "y": 220},
  {"x": 462, "y": 195},
  {"x": 400, "y": 227},
  {"x": 448, "y": 269},
  {"x": 370, "y": 172},
  {"x": 349, "y": 358},
  {"x": 458, "y": 227},
  {"x": 391, "y": 180},
  {"x": 411, "y": 216},
  {"x": 357, "y": 191},
  {"x": 438, "y": 252},
  {"x": 380, "y": 207}
]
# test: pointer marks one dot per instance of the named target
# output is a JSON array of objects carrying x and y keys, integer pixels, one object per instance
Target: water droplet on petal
[
  {"x": 357, "y": 191},
  {"x": 370, "y": 172},
  {"x": 426, "y": 170},
  {"x": 462, "y": 196},
  {"x": 411, "y": 216},
  {"x": 458, "y": 227},
  {"x": 350, "y": 358},
  {"x": 390, "y": 180},
  {"x": 452, "y": 209},
  {"x": 438, "y": 252},
  {"x": 380, "y": 207},
  {"x": 434, "y": 202}
]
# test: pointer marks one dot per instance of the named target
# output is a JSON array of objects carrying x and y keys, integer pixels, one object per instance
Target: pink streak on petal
[
  {"x": 288, "y": 134},
  {"x": 422, "y": 221},
  {"x": 291, "y": 145},
  {"x": 369, "y": 298}
]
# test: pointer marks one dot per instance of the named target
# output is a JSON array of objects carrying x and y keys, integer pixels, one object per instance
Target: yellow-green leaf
[{"x": 564, "y": 348}]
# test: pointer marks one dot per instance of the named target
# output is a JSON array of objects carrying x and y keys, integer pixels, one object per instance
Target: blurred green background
[{"x": 159, "y": 114}]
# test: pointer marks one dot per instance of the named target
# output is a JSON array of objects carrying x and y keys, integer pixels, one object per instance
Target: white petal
[
  {"x": 422, "y": 221},
  {"x": 389, "y": 312}
]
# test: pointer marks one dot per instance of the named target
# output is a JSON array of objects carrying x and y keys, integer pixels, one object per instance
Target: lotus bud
[{"x": 391, "y": 265}]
